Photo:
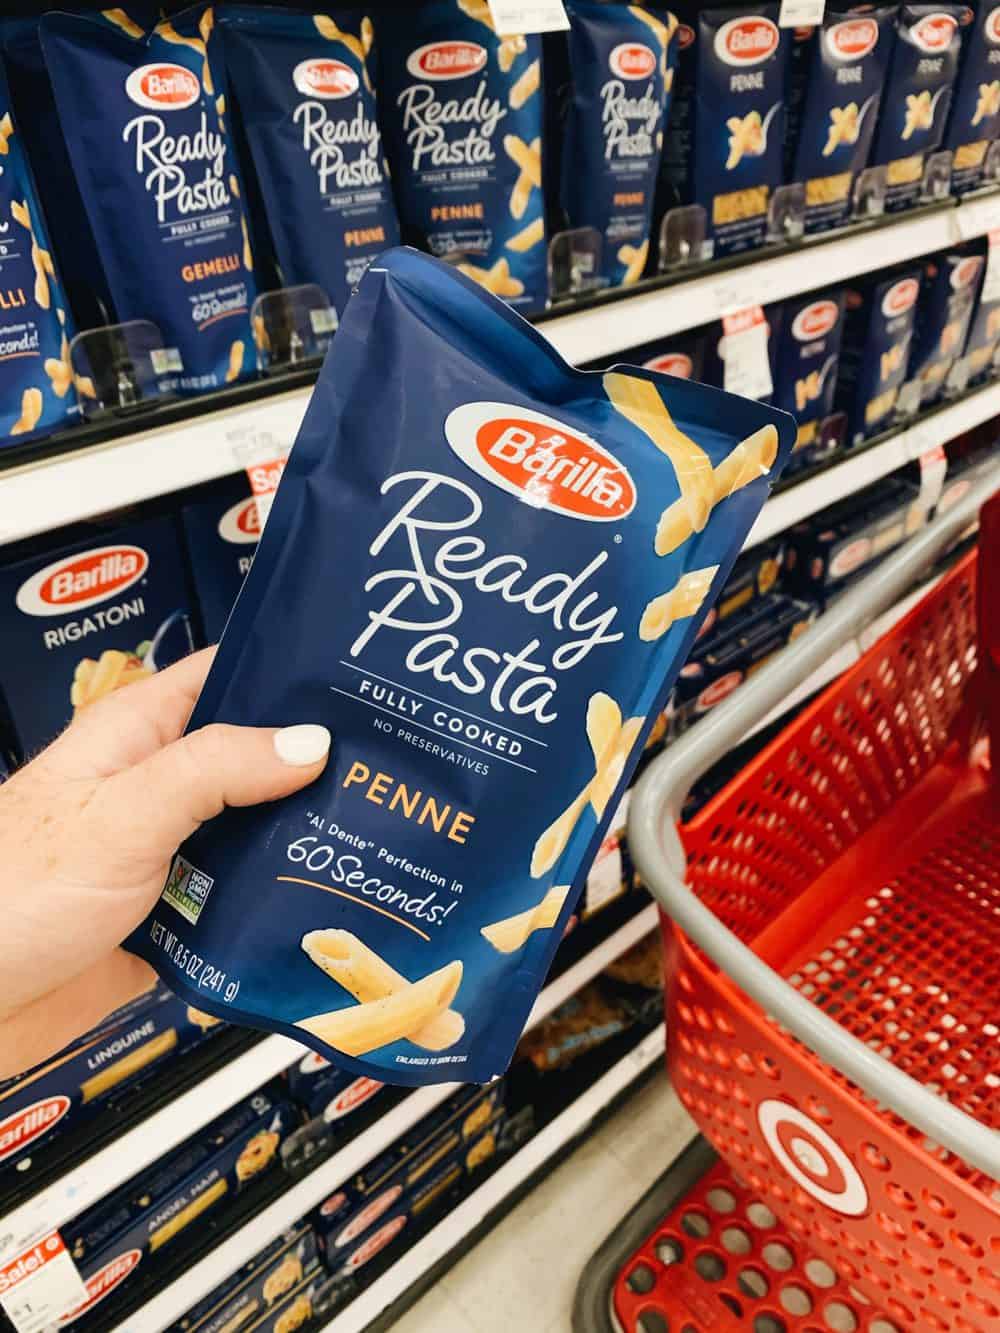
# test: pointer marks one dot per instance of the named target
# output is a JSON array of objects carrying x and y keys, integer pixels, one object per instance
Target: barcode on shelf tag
[
  {"x": 40, "y": 1285},
  {"x": 513, "y": 17},
  {"x": 747, "y": 368},
  {"x": 933, "y": 470},
  {"x": 801, "y": 13}
]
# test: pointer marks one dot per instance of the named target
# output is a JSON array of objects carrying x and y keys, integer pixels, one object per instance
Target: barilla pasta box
[
  {"x": 323, "y": 1090},
  {"x": 948, "y": 294},
  {"x": 846, "y": 59},
  {"x": 735, "y": 147},
  {"x": 65, "y": 1092},
  {"x": 807, "y": 352},
  {"x": 305, "y": 96},
  {"x": 220, "y": 535},
  {"x": 984, "y": 336},
  {"x": 754, "y": 575},
  {"x": 462, "y": 114},
  {"x": 612, "y": 72},
  {"x": 875, "y": 350},
  {"x": 914, "y": 108},
  {"x": 88, "y": 619},
  {"x": 261, "y": 1285},
  {"x": 294, "y": 1310},
  {"x": 37, "y": 394},
  {"x": 109, "y": 1241},
  {"x": 160, "y": 181},
  {"x": 520, "y": 569},
  {"x": 974, "y": 119}
]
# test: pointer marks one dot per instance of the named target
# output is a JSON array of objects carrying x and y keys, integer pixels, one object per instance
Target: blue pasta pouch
[
  {"x": 143, "y": 113},
  {"x": 37, "y": 394},
  {"x": 462, "y": 115},
  {"x": 615, "y": 63},
  {"x": 482, "y": 571},
  {"x": 974, "y": 120},
  {"x": 304, "y": 94}
]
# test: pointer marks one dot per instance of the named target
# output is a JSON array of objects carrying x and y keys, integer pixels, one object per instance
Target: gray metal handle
[{"x": 659, "y": 857}]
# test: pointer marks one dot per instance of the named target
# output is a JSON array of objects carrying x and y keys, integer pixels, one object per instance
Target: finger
[{"x": 144, "y": 814}]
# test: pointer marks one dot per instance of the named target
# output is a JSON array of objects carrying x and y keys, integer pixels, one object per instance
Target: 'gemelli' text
[
  {"x": 422, "y": 600},
  {"x": 160, "y": 158},
  {"x": 325, "y": 139},
  {"x": 424, "y": 119}
]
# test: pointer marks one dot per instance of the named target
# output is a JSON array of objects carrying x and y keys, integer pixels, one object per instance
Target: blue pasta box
[
  {"x": 974, "y": 120},
  {"x": 110, "y": 1240},
  {"x": 87, "y": 619},
  {"x": 948, "y": 295},
  {"x": 682, "y": 356},
  {"x": 462, "y": 114},
  {"x": 914, "y": 107},
  {"x": 726, "y": 151},
  {"x": 806, "y": 357},
  {"x": 323, "y": 1090},
  {"x": 220, "y": 534},
  {"x": 842, "y": 64},
  {"x": 309, "y": 1300},
  {"x": 262, "y": 1285},
  {"x": 963, "y": 473},
  {"x": 984, "y": 334},
  {"x": 754, "y": 575},
  {"x": 875, "y": 350},
  {"x": 75, "y": 1085}
]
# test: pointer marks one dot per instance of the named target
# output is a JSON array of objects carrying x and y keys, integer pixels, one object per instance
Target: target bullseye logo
[{"x": 812, "y": 1158}]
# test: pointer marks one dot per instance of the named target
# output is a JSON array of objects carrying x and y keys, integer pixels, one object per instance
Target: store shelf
[{"x": 452, "y": 1232}]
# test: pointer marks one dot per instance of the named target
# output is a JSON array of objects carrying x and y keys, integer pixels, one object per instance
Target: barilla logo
[
  {"x": 964, "y": 272},
  {"x": 815, "y": 321},
  {"x": 163, "y": 87},
  {"x": 671, "y": 363},
  {"x": 852, "y": 557},
  {"x": 934, "y": 32},
  {"x": 82, "y": 580},
  {"x": 446, "y": 60},
  {"x": 900, "y": 297},
  {"x": 991, "y": 27},
  {"x": 103, "y": 1282},
  {"x": 333, "y": 1204},
  {"x": 325, "y": 78},
  {"x": 540, "y": 461},
  {"x": 720, "y": 689},
  {"x": 685, "y": 36},
  {"x": 747, "y": 41},
  {"x": 313, "y": 1063},
  {"x": 351, "y": 1098},
  {"x": 374, "y": 1243},
  {"x": 30, "y": 1123},
  {"x": 369, "y": 1214},
  {"x": 241, "y": 522},
  {"x": 853, "y": 39},
  {"x": 632, "y": 60}
]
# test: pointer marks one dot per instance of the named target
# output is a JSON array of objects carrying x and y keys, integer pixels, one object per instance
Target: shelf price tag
[
  {"x": 263, "y": 458},
  {"x": 976, "y": 216},
  {"x": 933, "y": 469},
  {"x": 40, "y": 1285},
  {"x": 746, "y": 363},
  {"x": 513, "y": 17},
  {"x": 801, "y": 13}
]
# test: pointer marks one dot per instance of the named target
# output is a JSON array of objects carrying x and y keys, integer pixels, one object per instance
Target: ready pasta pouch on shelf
[
  {"x": 482, "y": 572},
  {"x": 143, "y": 112}
]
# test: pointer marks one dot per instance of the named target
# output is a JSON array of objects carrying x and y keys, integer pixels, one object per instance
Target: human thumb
[{"x": 162, "y": 800}]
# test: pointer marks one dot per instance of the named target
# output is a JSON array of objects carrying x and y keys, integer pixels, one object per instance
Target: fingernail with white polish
[{"x": 302, "y": 745}]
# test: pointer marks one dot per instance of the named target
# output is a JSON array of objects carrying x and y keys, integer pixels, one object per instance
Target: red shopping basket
[{"x": 858, "y": 859}]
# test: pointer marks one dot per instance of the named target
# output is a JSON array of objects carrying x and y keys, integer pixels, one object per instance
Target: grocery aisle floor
[{"x": 524, "y": 1273}]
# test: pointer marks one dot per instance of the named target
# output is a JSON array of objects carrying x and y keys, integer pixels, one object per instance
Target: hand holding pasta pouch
[
  {"x": 143, "y": 113},
  {"x": 914, "y": 107},
  {"x": 615, "y": 65},
  {"x": 974, "y": 120},
  {"x": 304, "y": 94},
  {"x": 37, "y": 394},
  {"x": 462, "y": 115},
  {"x": 482, "y": 571}
]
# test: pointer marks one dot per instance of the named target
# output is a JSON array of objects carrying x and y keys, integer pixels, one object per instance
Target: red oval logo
[
  {"x": 541, "y": 461},
  {"x": 81, "y": 580},
  {"x": 900, "y": 297},
  {"x": 852, "y": 39},
  {"x": 328, "y": 79},
  {"x": 747, "y": 41},
  {"x": 30, "y": 1123},
  {"x": 240, "y": 524},
  {"x": 815, "y": 321},
  {"x": 632, "y": 60},
  {"x": 103, "y": 1282},
  {"x": 369, "y": 1214},
  {"x": 333, "y": 1204},
  {"x": 852, "y": 557},
  {"x": 376, "y": 1242},
  {"x": 353, "y": 1096},
  {"x": 966, "y": 271},
  {"x": 719, "y": 689},
  {"x": 934, "y": 32},
  {"x": 163, "y": 87},
  {"x": 685, "y": 36},
  {"x": 446, "y": 60},
  {"x": 672, "y": 363},
  {"x": 991, "y": 27}
]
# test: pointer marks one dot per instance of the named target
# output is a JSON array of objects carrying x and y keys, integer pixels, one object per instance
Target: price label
[
  {"x": 263, "y": 457},
  {"x": 744, "y": 350},
  {"x": 933, "y": 470},
  {"x": 977, "y": 216},
  {"x": 733, "y": 294},
  {"x": 801, "y": 13},
  {"x": 41, "y": 1284},
  {"x": 511, "y": 17}
]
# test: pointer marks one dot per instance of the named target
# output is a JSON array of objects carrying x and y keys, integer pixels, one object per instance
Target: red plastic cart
[{"x": 834, "y": 978}]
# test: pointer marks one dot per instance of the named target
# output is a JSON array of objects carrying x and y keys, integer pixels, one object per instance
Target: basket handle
[{"x": 660, "y": 858}]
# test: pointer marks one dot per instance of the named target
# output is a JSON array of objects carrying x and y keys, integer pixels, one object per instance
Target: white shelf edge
[{"x": 452, "y": 1229}]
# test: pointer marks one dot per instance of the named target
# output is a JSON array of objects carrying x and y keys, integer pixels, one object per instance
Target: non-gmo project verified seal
[{"x": 187, "y": 889}]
